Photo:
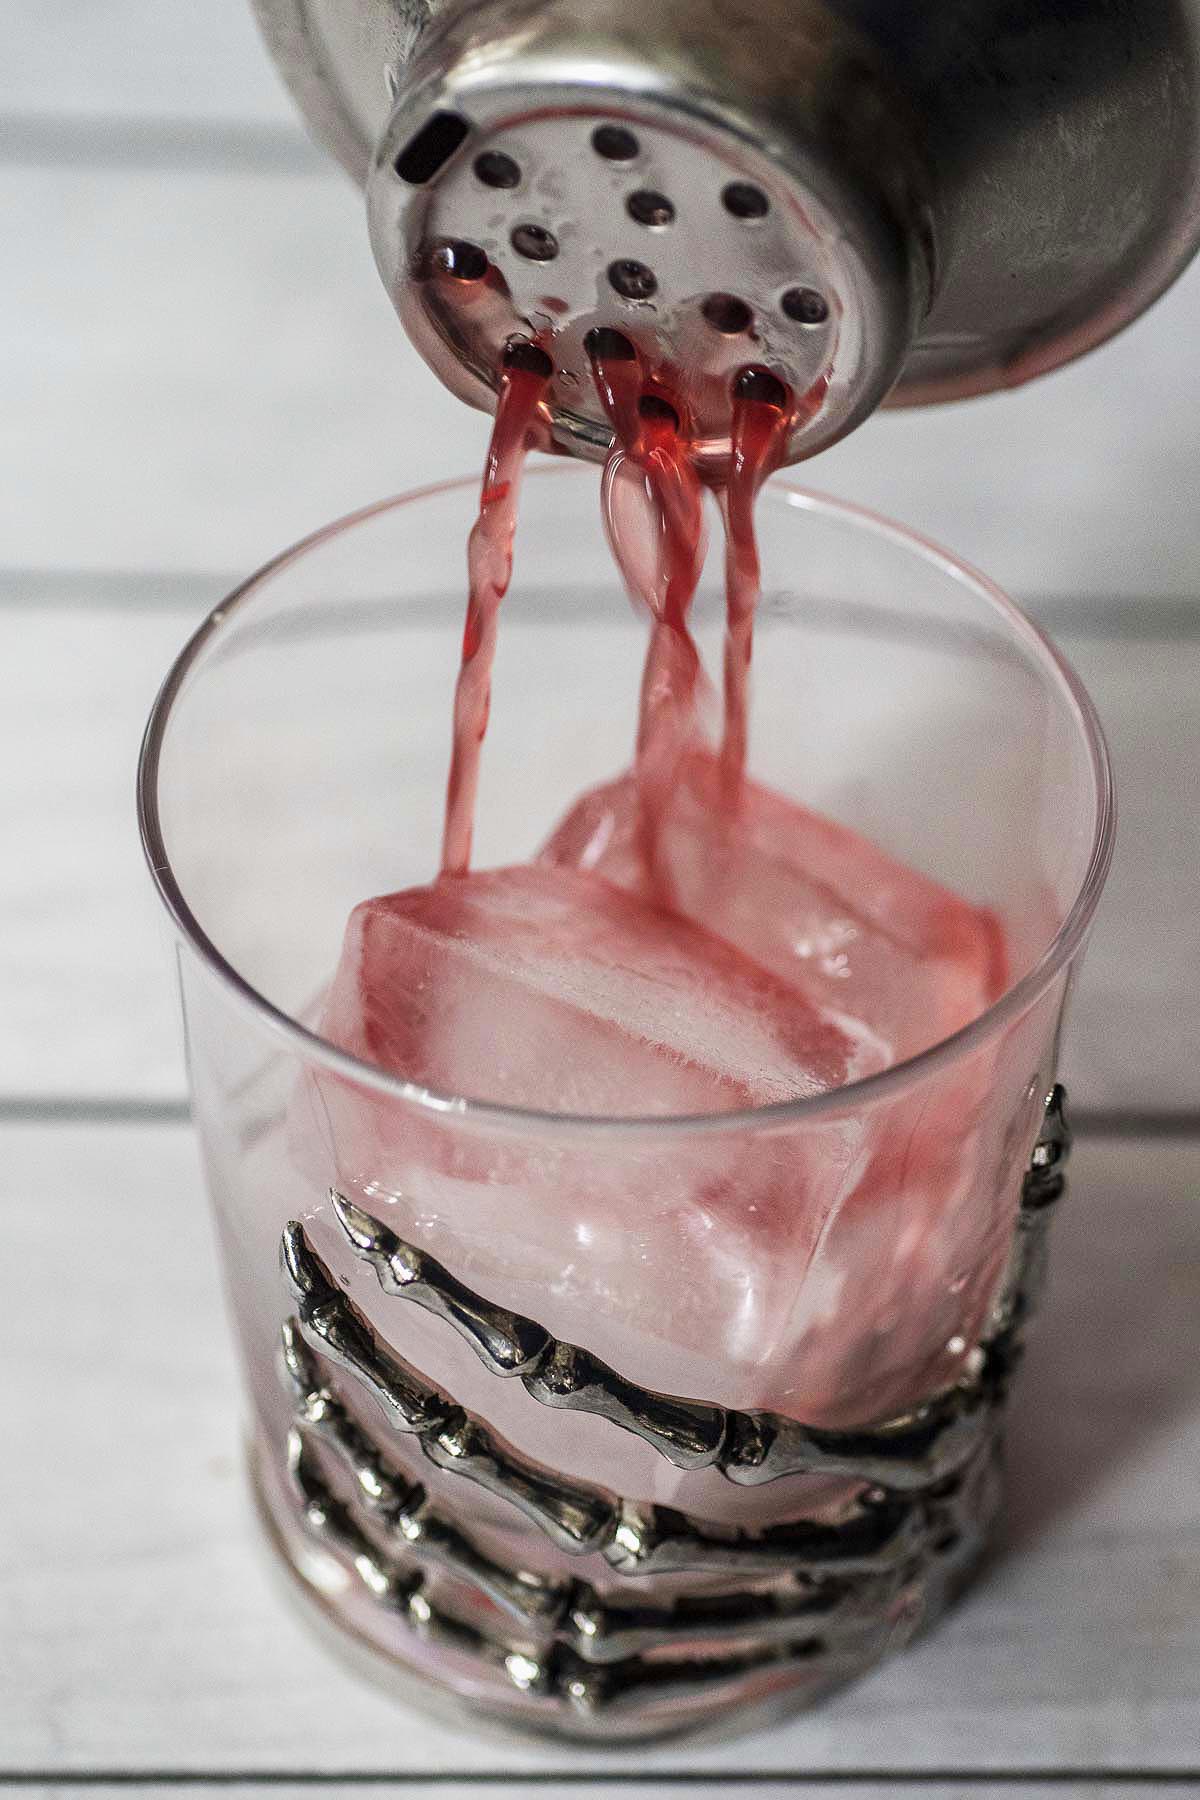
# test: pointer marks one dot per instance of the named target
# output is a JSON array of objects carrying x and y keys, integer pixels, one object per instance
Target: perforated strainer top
[{"x": 495, "y": 220}]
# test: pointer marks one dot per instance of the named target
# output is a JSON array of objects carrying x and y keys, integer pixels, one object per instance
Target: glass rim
[{"x": 492, "y": 1115}]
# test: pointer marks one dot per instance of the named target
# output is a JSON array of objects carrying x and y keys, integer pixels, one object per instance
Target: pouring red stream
[
  {"x": 489, "y": 570},
  {"x": 659, "y": 547}
]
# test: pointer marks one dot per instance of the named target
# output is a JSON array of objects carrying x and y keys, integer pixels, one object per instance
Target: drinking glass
[{"x": 526, "y": 1420}]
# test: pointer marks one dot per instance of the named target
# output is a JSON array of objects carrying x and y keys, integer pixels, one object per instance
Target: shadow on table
[{"x": 1113, "y": 1357}]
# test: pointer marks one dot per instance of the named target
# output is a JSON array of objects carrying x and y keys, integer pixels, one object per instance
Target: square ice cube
[
  {"x": 678, "y": 1258},
  {"x": 820, "y": 906}
]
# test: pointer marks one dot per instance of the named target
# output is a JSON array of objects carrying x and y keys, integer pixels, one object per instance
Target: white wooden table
[{"x": 197, "y": 364}]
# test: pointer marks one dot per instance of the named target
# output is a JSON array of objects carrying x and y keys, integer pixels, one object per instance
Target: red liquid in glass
[{"x": 686, "y": 943}]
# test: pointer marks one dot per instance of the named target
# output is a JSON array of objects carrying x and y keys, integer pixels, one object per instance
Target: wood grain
[
  {"x": 198, "y": 367},
  {"x": 952, "y": 1787},
  {"x": 83, "y": 956}
]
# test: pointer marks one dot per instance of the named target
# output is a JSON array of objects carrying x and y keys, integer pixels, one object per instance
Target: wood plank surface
[
  {"x": 144, "y": 1628},
  {"x": 951, "y": 1787},
  {"x": 198, "y": 366},
  {"x": 83, "y": 957}
]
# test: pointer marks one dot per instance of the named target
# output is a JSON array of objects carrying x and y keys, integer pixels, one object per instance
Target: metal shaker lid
[{"x": 881, "y": 202}]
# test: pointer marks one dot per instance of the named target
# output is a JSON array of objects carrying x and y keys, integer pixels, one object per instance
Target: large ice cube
[
  {"x": 679, "y": 1258},
  {"x": 910, "y": 1253},
  {"x": 816, "y": 903},
  {"x": 834, "y": 1268},
  {"x": 548, "y": 988}
]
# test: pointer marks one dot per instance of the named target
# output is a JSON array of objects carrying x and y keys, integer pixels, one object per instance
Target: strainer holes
[
  {"x": 465, "y": 261},
  {"x": 659, "y": 411},
  {"x": 615, "y": 143},
  {"x": 496, "y": 169},
  {"x": 649, "y": 208},
  {"x": 426, "y": 154},
  {"x": 761, "y": 385},
  {"x": 727, "y": 314},
  {"x": 805, "y": 306},
  {"x": 613, "y": 346},
  {"x": 534, "y": 243},
  {"x": 745, "y": 201},
  {"x": 529, "y": 359},
  {"x": 632, "y": 279}
]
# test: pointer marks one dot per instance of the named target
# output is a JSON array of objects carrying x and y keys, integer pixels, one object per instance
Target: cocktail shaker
[{"x": 881, "y": 201}]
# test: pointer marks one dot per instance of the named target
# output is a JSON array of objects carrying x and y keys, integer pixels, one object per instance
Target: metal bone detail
[
  {"x": 839, "y": 1595},
  {"x": 585, "y": 1681},
  {"x": 688, "y": 1433},
  {"x": 577, "y": 1518},
  {"x": 634, "y": 1539},
  {"x": 408, "y": 1527},
  {"x": 1044, "y": 1184},
  {"x": 412, "y": 1524},
  {"x": 904, "y": 1454}
]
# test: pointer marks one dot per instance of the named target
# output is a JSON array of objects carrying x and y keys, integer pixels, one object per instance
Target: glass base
[
  {"x": 711, "y": 1691},
  {"x": 603, "y": 1620}
]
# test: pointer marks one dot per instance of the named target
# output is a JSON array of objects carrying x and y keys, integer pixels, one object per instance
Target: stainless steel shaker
[{"x": 882, "y": 201}]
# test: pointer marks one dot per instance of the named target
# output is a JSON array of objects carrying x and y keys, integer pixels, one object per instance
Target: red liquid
[
  {"x": 489, "y": 567},
  {"x": 654, "y": 515},
  {"x": 659, "y": 548},
  {"x": 759, "y": 438}
]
